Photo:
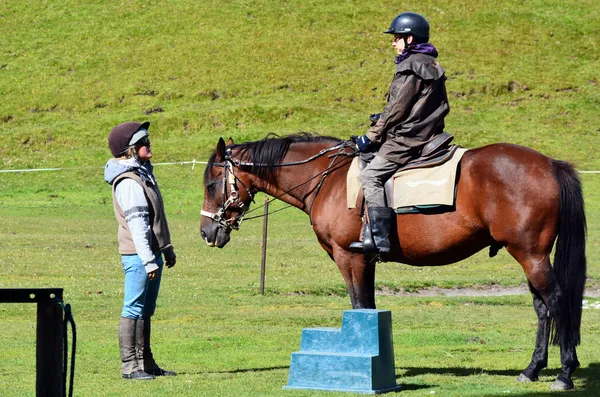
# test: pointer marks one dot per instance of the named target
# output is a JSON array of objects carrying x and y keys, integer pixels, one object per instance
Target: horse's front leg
[{"x": 359, "y": 275}]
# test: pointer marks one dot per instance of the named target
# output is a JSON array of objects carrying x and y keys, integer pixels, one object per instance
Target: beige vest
[{"x": 161, "y": 238}]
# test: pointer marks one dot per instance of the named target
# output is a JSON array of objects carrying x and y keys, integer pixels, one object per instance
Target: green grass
[
  {"x": 214, "y": 327},
  {"x": 520, "y": 72},
  {"x": 523, "y": 72}
]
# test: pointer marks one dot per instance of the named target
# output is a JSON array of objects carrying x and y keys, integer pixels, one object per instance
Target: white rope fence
[{"x": 193, "y": 162}]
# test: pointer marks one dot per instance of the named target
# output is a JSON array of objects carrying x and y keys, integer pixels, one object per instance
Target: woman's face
[
  {"x": 398, "y": 42},
  {"x": 144, "y": 149}
]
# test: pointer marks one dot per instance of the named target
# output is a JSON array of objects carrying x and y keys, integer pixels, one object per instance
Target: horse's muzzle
[{"x": 215, "y": 235}]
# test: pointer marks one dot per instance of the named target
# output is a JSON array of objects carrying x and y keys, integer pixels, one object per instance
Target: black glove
[{"x": 374, "y": 118}]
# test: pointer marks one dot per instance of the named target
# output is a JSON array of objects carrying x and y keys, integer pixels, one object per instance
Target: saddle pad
[
  {"x": 353, "y": 184},
  {"x": 427, "y": 186},
  {"x": 416, "y": 187}
]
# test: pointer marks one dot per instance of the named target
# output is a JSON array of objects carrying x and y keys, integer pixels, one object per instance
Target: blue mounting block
[{"x": 358, "y": 358}]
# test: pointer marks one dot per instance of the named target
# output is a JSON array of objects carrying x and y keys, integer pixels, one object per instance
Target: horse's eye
[{"x": 211, "y": 186}]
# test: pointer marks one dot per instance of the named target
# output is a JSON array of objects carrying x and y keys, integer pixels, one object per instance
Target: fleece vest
[{"x": 161, "y": 237}]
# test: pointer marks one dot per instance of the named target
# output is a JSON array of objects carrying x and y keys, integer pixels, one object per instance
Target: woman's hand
[{"x": 153, "y": 274}]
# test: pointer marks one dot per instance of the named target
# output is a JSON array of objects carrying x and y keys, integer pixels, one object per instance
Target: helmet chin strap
[{"x": 406, "y": 43}]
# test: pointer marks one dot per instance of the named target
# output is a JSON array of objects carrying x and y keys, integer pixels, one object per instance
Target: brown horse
[{"x": 507, "y": 196}]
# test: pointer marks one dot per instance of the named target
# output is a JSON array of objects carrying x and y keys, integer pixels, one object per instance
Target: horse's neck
[{"x": 293, "y": 184}]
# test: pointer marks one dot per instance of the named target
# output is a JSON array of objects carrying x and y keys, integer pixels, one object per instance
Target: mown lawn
[
  {"x": 520, "y": 72},
  {"x": 223, "y": 337}
]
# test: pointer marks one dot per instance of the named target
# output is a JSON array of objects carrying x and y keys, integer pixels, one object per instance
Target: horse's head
[{"x": 227, "y": 194}]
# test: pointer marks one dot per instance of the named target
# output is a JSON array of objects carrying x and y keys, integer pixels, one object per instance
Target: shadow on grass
[
  {"x": 244, "y": 370},
  {"x": 589, "y": 376},
  {"x": 411, "y": 386}
]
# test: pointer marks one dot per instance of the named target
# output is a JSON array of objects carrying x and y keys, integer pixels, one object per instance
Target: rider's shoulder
[{"x": 425, "y": 66}]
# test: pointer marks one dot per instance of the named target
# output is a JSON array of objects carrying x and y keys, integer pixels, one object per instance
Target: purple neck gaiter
[{"x": 426, "y": 48}]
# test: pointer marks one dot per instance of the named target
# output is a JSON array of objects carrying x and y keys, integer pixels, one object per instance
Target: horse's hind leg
[
  {"x": 541, "y": 279},
  {"x": 569, "y": 362},
  {"x": 539, "y": 360}
]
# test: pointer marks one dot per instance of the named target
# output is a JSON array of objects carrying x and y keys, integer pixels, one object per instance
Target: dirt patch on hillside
[{"x": 484, "y": 290}]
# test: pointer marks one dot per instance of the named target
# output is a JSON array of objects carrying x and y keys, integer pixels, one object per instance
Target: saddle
[{"x": 436, "y": 152}]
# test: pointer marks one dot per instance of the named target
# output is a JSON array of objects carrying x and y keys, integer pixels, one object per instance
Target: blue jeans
[{"x": 140, "y": 292}]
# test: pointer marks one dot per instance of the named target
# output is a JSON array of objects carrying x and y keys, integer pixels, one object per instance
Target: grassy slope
[
  {"x": 523, "y": 72},
  {"x": 69, "y": 71}
]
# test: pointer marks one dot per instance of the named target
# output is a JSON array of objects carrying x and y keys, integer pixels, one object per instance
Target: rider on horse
[{"x": 414, "y": 115}]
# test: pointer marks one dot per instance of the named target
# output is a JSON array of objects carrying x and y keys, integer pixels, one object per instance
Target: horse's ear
[
  {"x": 229, "y": 141},
  {"x": 220, "y": 150}
]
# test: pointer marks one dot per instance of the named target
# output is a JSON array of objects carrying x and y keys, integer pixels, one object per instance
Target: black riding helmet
[{"x": 410, "y": 23}]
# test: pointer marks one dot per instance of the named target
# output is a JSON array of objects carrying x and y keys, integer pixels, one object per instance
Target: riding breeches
[
  {"x": 140, "y": 293},
  {"x": 373, "y": 178}
]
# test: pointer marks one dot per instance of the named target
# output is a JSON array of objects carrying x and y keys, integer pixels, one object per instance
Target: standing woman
[{"x": 143, "y": 240}]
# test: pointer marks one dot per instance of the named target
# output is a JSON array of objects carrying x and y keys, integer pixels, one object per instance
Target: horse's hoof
[
  {"x": 525, "y": 379},
  {"x": 561, "y": 385}
]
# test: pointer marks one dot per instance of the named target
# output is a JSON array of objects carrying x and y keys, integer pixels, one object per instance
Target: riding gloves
[{"x": 363, "y": 143}]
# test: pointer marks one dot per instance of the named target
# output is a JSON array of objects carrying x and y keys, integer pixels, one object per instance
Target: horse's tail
[{"x": 569, "y": 257}]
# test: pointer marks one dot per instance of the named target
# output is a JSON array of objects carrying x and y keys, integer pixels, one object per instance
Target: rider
[{"x": 415, "y": 111}]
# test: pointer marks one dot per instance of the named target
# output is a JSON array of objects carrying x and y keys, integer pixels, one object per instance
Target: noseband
[{"x": 233, "y": 201}]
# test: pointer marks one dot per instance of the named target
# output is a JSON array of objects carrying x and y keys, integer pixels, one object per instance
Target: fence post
[
  {"x": 49, "y": 335},
  {"x": 49, "y": 376},
  {"x": 264, "y": 247}
]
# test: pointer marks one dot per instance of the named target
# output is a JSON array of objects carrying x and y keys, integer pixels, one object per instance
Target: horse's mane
[{"x": 269, "y": 152}]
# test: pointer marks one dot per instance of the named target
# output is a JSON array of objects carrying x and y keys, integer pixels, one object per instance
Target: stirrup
[{"x": 367, "y": 246}]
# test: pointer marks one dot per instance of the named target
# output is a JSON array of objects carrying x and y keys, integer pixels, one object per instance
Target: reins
[
  {"x": 229, "y": 163},
  {"x": 324, "y": 174}
]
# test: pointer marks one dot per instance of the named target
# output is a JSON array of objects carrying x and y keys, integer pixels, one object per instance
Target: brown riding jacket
[{"x": 417, "y": 105}]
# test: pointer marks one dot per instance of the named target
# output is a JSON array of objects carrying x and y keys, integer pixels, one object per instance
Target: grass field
[
  {"x": 523, "y": 72},
  {"x": 224, "y": 338}
]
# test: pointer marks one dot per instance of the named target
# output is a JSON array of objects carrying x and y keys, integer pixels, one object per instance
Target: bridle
[
  {"x": 233, "y": 200},
  {"x": 233, "y": 223}
]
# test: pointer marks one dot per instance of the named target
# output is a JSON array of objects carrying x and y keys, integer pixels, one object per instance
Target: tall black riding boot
[
  {"x": 381, "y": 219},
  {"x": 376, "y": 233},
  {"x": 144, "y": 352}
]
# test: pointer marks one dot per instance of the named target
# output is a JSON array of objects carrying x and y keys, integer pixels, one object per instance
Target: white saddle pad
[
  {"x": 427, "y": 186},
  {"x": 417, "y": 187}
]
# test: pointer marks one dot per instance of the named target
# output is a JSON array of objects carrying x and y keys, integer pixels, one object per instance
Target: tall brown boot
[
  {"x": 144, "y": 352},
  {"x": 127, "y": 343}
]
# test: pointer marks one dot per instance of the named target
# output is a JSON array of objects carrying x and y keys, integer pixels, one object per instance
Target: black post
[
  {"x": 264, "y": 247},
  {"x": 49, "y": 335},
  {"x": 49, "y": 350}
]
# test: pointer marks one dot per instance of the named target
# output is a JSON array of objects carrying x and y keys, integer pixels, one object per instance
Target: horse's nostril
[{"x": 202, "y": 234}]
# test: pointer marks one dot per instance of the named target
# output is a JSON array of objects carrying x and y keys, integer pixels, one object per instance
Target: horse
[{"x": 506, "y": 196}]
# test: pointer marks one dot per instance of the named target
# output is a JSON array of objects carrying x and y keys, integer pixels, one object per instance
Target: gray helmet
[{"x": 410, "y": 23}]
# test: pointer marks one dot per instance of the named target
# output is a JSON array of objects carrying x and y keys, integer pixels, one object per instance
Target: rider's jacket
[{"x": 417, "y": 105}]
